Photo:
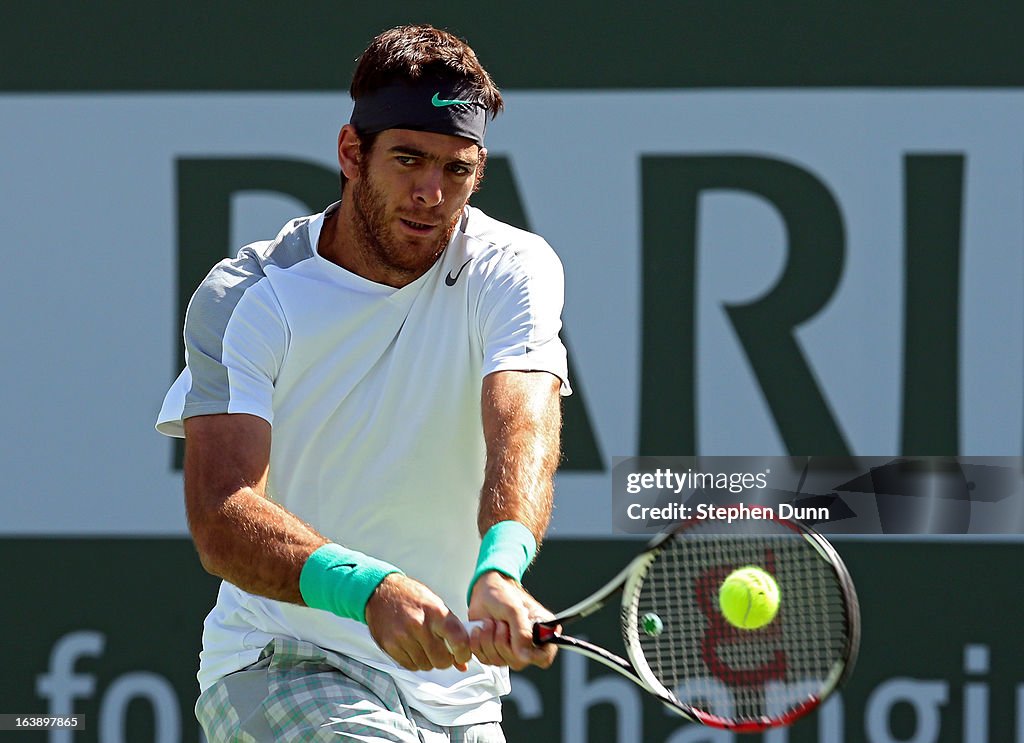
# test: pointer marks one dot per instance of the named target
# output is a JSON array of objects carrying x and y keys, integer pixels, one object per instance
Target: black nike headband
[{"x": 425, "y": 105}]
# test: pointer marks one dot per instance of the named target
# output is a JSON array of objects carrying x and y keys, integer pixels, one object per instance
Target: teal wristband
[
  {"x": 341, "y": 580},
  {"x": 508, "y": 547}
]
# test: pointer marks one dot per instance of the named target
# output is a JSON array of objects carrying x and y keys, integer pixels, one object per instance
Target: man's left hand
[{"x": 508, "y": 613}]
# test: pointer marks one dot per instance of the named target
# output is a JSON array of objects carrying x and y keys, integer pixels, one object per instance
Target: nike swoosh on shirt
[
  {"x": 440, "y": 102},
  {"x": 450, "y": 280}
]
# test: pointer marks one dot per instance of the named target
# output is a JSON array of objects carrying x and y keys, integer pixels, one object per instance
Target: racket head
[{"x": 724, "y": 676}]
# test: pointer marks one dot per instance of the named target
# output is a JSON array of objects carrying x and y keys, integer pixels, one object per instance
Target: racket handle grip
[{"x": 543, "y": 633}]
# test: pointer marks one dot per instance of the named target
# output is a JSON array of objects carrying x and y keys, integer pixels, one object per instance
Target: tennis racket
[{"x": 698, "y": 664}]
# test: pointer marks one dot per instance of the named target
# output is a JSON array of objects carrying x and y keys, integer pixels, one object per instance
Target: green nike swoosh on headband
[{"x": 441, "y": 102}]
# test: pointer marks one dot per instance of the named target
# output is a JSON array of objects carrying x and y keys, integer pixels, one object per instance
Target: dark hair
[{"x": 410, "y": 52}]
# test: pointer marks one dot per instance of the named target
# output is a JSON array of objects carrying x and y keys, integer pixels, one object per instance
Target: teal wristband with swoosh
[
  {"x": 341, "y": 581},
  {"x": 508, "y": 548}
]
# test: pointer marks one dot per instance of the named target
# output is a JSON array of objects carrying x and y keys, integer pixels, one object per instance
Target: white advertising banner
[{"x": 90, "y": 221}]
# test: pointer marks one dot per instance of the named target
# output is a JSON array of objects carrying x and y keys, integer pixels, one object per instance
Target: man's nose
[{"x": 429, "y": 190}]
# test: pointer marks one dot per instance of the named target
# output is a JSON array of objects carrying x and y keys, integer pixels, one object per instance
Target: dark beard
[{"x": 371, "y": 223}]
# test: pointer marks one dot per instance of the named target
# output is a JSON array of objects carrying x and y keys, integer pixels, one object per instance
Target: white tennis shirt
[{"x": 374, "y": 397}]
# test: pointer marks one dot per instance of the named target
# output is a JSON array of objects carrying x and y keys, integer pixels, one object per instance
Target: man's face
[{"x": 409, "y": 195}]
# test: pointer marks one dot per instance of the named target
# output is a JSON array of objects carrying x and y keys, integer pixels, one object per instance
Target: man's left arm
[{"x": 522, "y": 428}]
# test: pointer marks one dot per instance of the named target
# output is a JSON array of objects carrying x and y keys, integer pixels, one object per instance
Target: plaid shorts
[{"x": 297, "y": 691}]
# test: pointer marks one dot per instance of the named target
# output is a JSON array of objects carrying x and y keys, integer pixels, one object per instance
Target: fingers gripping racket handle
[
  {"x": 471, "y": 625},
  {"x": 542, "y": 632}
]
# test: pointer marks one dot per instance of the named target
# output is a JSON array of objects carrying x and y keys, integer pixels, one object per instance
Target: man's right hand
[{"x": 412, "y": 624}]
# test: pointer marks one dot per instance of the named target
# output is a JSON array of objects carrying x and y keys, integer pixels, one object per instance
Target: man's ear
[
  {"x": 349, "y": 154},
  {"x": 481, "y": 164}
]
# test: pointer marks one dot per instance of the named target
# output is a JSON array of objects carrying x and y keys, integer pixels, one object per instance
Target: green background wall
[
  {"x": 923, "y": 605},
  {"x": 122, "y": 45}
]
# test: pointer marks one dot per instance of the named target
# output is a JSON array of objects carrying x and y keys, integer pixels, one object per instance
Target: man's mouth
[{"x": 418, "y": 226}]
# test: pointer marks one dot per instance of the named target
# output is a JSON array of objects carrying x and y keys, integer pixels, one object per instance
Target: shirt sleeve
[
  {"x": 235, "y": 338},
  {"x": 521, "y": 313}
]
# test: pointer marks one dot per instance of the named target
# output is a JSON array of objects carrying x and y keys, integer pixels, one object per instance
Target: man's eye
[
  {"x": 405, "y": 159},
  {"x": 459, "y": 169}
]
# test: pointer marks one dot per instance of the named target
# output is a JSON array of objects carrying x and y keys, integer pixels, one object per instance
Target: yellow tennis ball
[{"x": 749, "y": 598}]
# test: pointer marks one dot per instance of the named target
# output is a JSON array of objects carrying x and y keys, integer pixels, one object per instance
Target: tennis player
[{"x": 371, "y": 410}]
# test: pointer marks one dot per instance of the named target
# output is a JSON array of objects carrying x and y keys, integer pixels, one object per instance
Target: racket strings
[{"x": 732, "y": 673}]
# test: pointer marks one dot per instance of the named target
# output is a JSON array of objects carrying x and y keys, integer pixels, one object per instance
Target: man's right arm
[
  {"x": 240, "y": 534},
  {"x": 247, "y": 539}
]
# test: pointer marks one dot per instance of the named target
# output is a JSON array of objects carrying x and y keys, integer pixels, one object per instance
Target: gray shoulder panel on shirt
[
  {"x": 207, "y": 319},
  {"x": 291, "y": 248},
  {"x": 213, "y": 305}
]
